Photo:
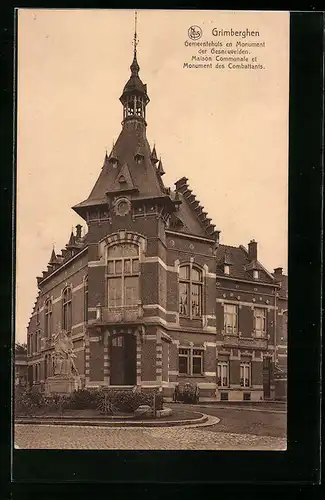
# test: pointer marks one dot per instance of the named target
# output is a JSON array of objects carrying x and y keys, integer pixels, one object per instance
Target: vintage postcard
[{"x": 152, "y": 179}]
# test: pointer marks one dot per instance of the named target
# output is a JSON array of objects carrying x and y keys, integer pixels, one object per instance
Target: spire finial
[
  {"x": 135, "y": 66},
  {"x": 135, "y": 41}
]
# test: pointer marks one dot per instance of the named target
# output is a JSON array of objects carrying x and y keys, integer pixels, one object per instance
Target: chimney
[
  {"x": 78, "y": 233},
  {"x": 278, "y": 271},
  {"x": 252, "y": 250}
]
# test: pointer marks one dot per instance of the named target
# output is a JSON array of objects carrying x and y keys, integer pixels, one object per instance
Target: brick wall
[
  {"x": 96, "y": 361},
  {"x": 257, "y": 373},
  {"x": 148, "y": 360}
]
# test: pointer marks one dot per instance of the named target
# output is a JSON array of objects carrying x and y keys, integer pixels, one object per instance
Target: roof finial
[
  {"x": 135, "y": 34},
  {"x": 134, "y": 66}
]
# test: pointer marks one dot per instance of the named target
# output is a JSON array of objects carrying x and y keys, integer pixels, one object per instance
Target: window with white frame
[
  {"x": 223, "y": 374},
  {"x": 231, "y": 319},
  {"x": 190, "y": 361},
  {"x": 190, "y": 291},
  {"x": 123, "y": 275},
  {"x": 245, "y": 374},
  {"x": 48, "y": 318},
  {"x": 260, "y": 321},
  {"x": 67, "y": 309}
]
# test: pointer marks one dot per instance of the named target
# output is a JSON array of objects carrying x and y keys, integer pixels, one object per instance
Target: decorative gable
[
  {"x": 197, "y": 210},
  {"x": 123, "y": 180}
]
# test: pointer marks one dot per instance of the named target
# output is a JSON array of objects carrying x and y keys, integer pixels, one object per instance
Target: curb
[{"x": 121, "y": 423}]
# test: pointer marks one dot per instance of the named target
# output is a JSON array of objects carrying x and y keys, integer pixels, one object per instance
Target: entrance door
[{"x": 123, "y": 359}]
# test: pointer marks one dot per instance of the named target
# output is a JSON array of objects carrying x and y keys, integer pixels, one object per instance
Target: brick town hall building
[{"x": 148, "y": 295}]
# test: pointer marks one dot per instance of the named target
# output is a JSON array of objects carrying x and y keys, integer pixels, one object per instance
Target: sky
[{"x": 225, "y": 130}]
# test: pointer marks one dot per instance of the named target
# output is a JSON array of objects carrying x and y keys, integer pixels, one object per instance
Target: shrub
[
  {"x": 84, "y": 399},
  {"x": 127, "y": 401},
  {"x": 28, "y": 402},
  {"x": 56, "y": 403}
]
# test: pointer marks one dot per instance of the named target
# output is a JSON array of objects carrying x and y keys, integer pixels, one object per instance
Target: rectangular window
[
  {"x": 114, "y": 292},
  {"x": 197, "y": 362},
  {"x": 223, "y": 374},
  {"x": 231, "y": 319},
  {"x": 259, "y": 321},
  {"x": 190, "y": 361},
  {"x": 131, "y": 291},
  {"x": 245, "y": 374},
  {"x": 183, "y": 298},
  {"x": 183, "y": 361}
]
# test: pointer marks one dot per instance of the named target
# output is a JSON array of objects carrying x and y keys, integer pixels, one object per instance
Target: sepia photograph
[{"x": 151, "y": 230}]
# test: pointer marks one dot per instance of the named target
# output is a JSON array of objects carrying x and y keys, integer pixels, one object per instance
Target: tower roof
[
  {"x": 131, "y": 159},
  {"x": 154, "y": 157},
  {"x": 53, "y": 260}
]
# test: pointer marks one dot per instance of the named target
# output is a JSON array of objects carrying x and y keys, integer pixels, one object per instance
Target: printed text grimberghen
[{"x": 232, "y": 53}]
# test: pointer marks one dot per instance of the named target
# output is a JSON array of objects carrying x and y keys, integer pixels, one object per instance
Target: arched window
[
  {"x": 48, "y": 318},
  {"x": 123, "y": 275},
  {"x": 190, "y": 291},
  {"x": 67, "y": 310},
  {"x": 86, "y": 299}
]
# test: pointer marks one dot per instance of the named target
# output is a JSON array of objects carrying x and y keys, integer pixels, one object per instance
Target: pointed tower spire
[
  {"x": 154, "y": 157},
  {"x": 53, "y": 259},
  {"x": 160, "y": 168},
  {"x": 113, "y": 159}
]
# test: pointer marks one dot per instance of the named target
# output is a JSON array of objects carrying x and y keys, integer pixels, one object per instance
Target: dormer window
[
  {"x": 255, "y": 274},
  {"x": 226, "y": 269}
]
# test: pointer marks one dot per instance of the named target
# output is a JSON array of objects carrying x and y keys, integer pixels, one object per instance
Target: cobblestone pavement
[
  {"x": 243, "y": 420},
  {"x": 161, "y": 438}
]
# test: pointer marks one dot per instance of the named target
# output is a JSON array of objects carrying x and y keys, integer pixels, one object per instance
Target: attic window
[
  {"x": 122, "y": 179},
  {"x": 226, "y": 269},
  {"x": 255, "y": 274}
]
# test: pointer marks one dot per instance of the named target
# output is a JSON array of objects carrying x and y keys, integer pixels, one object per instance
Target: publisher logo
[{"x": 194, "y": 32}]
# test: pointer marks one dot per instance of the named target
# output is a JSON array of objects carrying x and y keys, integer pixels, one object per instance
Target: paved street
[
  {"x": 237, "y": 430},
  {"x": 244, "y": 420},
  {"x": 163, "y": 438}
]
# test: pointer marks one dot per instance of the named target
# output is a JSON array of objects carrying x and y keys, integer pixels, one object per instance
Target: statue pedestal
[{"x": 60, "y": 384}]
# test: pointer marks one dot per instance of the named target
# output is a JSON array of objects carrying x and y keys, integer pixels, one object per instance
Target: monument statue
[{"x": 63, "y": 355}]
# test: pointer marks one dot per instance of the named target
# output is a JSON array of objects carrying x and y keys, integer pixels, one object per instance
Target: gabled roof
[
  {"x": 194, "y": 219},
  {"x": 241, "y": 265}
]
